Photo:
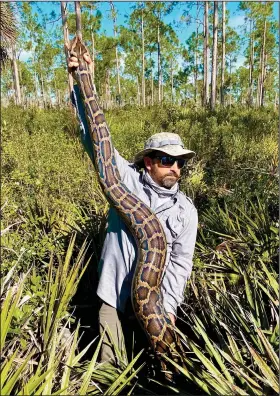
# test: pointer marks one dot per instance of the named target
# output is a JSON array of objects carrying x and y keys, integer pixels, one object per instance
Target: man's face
[{"x": 164, "y": 176}]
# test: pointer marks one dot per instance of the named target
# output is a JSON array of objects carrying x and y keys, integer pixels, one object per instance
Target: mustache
[{"x": 173, "y": 175}]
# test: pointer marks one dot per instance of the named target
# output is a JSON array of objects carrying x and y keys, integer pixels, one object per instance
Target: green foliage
[
  {"x": 50, "y": 191},
  {"x": 39, "y": 354},
  {"x": 45, "y": 171},
  {"x": 233, "y": 343},
  {"x": 40, "y": 36},
  {"x": 236, "y": 148}
]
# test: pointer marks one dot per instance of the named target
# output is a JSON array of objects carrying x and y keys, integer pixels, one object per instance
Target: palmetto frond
[{"x": 8, "y": 29}]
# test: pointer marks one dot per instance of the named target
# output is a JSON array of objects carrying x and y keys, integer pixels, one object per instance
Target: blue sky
[
  {"x": 236, "y": 16},
  {"x": 236, "y": 19},
  {"x": 124, "y": 7}
]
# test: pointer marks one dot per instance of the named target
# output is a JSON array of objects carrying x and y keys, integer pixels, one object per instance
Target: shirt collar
[{"x": 161, "y": 191}]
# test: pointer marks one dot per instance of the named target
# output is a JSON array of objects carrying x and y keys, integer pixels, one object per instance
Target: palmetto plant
[
  {"x": 39, "y": 354},
  {"x": 230, "y": 240},
  {"x": 229, "y": 319},
  {"x": 30, "y": 358},
  {"x": 235, "y": 337},
  {"x": 248, "y": 222},
  {"x": 232, "y": 308},
  {"x": 8, "y": 29}
]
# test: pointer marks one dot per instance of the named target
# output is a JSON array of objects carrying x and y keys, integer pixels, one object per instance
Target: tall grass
[{"x": 53, "y": 226}]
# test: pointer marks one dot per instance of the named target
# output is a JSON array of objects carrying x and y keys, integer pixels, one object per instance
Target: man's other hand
[
  {"x": 73, "y": 62},
  {"x": 172, "y": 317}
]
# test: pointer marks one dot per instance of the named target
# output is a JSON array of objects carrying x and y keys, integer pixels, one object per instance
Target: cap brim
[{"x": 173, "y": 150}]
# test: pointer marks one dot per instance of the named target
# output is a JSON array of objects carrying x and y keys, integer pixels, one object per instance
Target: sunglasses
[{"x": 168, "y": 161}]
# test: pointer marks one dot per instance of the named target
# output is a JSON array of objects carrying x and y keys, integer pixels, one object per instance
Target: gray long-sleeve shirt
[{"x": 178, "y": 217}]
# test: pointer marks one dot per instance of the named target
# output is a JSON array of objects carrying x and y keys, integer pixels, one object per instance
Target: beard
[{"x": 169, "y": 181}]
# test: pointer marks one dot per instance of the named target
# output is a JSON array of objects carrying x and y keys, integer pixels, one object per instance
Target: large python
[{"x": 141, "y": 221}]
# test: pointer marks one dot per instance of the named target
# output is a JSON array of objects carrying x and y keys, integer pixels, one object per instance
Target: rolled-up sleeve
[{"x": 180, "y": 264}]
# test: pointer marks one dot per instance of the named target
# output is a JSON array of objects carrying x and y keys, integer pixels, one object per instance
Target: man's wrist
[{"x": 172, "y": 318}]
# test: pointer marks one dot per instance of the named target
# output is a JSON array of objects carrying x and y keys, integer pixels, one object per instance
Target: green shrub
[
  {"x": 50, "y": 190},
  {"x": 46, "y": 176}
]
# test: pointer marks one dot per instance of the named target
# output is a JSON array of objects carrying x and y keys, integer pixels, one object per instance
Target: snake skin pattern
[{"x": 141, "y": 221}]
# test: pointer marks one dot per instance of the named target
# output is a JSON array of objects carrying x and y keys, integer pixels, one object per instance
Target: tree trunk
[
  {"x": 214, "y": 56},
  {"x": 262, "y": 67},
  {"x": 152, "y": 88},
  {"x": 93, "y": 56},
  {"x": 118, "y": 75},
  {"x": 15, "y": 77},
  {"x": 43, "y": 94},
  {"x": 196, "y": 56},
  {"x": 258, "y": 93},
  {"x": 35, "y": 81},
  {"x": 223, "y": 53},
  {"x": 56, "y": 92},
  {"x": 159, "y": 65},
  {"x": 205, "y": 57},
  {"x": 143, "y": 61},
  {"x": 23, "y": 97},
  {"x": 107, "y": 89},
  {"x": 138, "y": 92},
  {"x": 36, "y": 99},
  {"x": 263, "y": 82},
  {"x": 78, "y": 19},
  {"x": 57, "y": 95},
  {"x": 251, "y": 65},
  {"x": 195, "y": 70},
  {"x": 171, "y": 75},
  {"x": 230, "y": 86},
  {"x": 22, "y": 91},
  {"x": 117, "y": 55},
  {"x": 66, "y": 44},
  {"x": 93, "y": 48}
]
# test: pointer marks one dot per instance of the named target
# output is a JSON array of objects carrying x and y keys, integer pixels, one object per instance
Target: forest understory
[{"x": 53, "y": 225}]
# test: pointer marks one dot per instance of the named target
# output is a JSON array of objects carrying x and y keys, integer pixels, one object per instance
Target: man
[{"x": 153, "y": 177}]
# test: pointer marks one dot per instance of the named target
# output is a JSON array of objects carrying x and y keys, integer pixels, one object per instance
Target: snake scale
[{"x": 141, "y": 221}]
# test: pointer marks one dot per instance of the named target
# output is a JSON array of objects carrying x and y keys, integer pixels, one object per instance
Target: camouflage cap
[{"x": 167, "y": 142}]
